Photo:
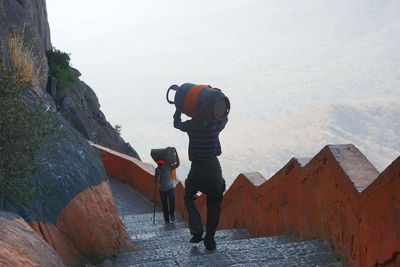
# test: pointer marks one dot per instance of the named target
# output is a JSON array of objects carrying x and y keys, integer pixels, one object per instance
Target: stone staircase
[{"x": 163, "y": 244}]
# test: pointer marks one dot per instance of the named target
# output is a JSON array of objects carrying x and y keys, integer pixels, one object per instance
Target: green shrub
[
  {"x": 22, "y": 129},
  {"x": 118, "y": 128},
  {"x": 59, "y": 66}
]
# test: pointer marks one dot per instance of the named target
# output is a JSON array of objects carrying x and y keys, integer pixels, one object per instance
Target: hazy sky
[{"x": 274, "y": 59}]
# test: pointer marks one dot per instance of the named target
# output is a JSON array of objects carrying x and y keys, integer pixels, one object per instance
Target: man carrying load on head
[{"x": 205, "y": 175}]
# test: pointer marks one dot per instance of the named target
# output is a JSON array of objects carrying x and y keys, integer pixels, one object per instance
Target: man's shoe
[
  {"x": 172, "y": 218},
  {"x": 209, "y": 243},
  {"x": 196, "y": 239}
]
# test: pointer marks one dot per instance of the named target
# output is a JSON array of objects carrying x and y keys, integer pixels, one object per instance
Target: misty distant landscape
[
  {"x": 299, "y": 76},
  {"x": 373, "y": 127}
]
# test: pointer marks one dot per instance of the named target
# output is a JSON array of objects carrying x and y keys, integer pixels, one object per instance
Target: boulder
[
  {"x": 73, "y": 208},
  {"x": 21, "y": 246}
]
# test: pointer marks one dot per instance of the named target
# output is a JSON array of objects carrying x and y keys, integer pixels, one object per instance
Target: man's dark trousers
[
  {"x": 204, "y": 176},
  {"x": 168, "y": 196}
]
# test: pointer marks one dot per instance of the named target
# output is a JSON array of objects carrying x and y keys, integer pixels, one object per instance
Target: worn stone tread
[
  {"x": 146, "y": 217},
  {"x": 185, "y": 233},
  {"x": 162, "y": 263},
  {"x": 128, "y": 200},
  {"x": 183, "y": 236},
  {"x": 304, "y": 247},
  {"x": 275, "y": 256},
  {"x": 328, "y": 259},
  {"x": 256, "y": 259},
  {"x": 186, "y": 249},
  {"x": 136, "y": 230},
  {"x": 252, "y": 250}
]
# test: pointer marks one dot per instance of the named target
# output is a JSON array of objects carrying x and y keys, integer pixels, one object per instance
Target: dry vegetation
[{"x": 23, "y": 60}]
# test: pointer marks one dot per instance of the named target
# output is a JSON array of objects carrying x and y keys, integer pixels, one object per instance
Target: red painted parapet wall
[{"x": 337, "y": 195}]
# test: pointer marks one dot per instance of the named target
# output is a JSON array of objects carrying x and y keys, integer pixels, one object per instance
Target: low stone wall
[{"x": 337, "y": 195}]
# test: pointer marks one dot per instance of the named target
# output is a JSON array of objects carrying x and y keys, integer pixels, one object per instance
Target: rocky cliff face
[
  {"x": 73, "y": 209},
  {"x": 81, "y": 108},
  {"x": 78, "y": 104},
  {"x": 27, "y": 18}
]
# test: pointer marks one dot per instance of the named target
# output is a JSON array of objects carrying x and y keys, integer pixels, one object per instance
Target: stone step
[
  {"x": 266, "y": 251},
  {"x": 144, "y": 233},
  {"x": 136, "y": 229},
  {"x": 183, "y": 236},
  {"x": 142, "y": 224},
  {"x": 304, "y": 253},
  {"x": 186, "y": 249},
  {"x": 128, "y": 200},
  {"x": 265, "y": 259},
  {"x": 279, "y": 264},
  {"x": 161, "y": 263},
  {"x": 299, "y": 262},
  {"x": 147, "y": 218}
]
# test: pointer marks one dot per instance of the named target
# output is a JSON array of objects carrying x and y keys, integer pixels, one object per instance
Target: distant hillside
[{"x": 374, "y": 127}]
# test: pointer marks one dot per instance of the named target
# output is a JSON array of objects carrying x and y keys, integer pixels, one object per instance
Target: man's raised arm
[{"x": 178, "y": 124}]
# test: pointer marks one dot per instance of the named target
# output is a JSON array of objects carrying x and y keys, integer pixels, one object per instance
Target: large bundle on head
[{"x": 167, "y": 154}]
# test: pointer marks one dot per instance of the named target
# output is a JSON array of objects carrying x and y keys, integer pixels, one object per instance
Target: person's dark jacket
[
  {"x": 203, "y": 136},
  {"x": 164, "y": 174}
]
